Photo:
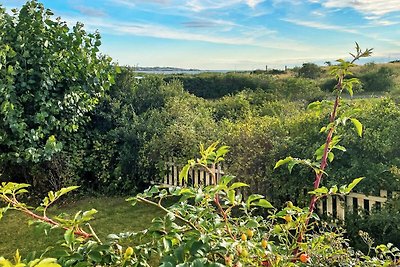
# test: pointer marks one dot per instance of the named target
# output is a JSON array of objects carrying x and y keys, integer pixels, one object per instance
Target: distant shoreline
[{"x": 177, "y": 71}]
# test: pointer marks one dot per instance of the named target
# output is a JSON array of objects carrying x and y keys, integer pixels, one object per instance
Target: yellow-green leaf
[{"x": 358, "y": 126}]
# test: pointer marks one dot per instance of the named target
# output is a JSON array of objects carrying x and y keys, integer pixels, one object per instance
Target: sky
[{"x": 234, "y": 34}]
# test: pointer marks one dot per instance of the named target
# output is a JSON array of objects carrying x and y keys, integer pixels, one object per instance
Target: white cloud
[
  {"x": 257, "y": 37},
  {"x": 321, "y": 26},
  {"x": 368, "y": 7},
  {"x": 253, "y": 3},
  {"x": 201, "y": 5}
]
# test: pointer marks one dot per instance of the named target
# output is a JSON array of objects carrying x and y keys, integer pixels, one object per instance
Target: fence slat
[{"x": 351, "y": 202}]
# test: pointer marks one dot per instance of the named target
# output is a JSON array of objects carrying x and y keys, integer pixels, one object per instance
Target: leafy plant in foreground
[{"x": 215, "y": 225}]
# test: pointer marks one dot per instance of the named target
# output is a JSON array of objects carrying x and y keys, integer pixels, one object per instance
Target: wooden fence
[
  {"x": 196, "y": 176},
  {"x": 337, "y": 206},
  {"x": 331, "y": 206}
]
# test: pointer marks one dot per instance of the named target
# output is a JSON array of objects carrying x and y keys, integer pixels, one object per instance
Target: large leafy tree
[{"x": 50, "y": 77}]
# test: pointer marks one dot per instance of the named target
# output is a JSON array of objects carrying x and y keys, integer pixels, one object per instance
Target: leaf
[
  {"x": 333, "y": 190},
  {"x": 231, "y": 196},
  {"x": 314, "y": 105},
  {"x": 237, "y": 185},
  {"x": 49, "y": 262},
  {"x": 353, "y": 184},
  {"x": 95, "y": 256},
  {"x": 263, "y": 203},
  {"x": 222, "y": 151},
  {"x": 184, "y": 173},
  {"x": 69, "y": 236},
  {"x": 282, "y": 162},
  {"x": 339, "y": 147},
  {"x": 226, "y": 179},
  {"x": 253, "y": 198},
  {"x": 319, "y": 191},
  {"x": 331, "y": 156},
  {"x": 358, "y": 126}
]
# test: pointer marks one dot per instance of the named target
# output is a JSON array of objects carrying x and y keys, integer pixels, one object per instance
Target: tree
[
  {"x": 50, "y": 77},
  {"x": 309, "y": 70}
]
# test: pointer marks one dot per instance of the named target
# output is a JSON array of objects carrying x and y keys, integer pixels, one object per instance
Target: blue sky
[{"x": 235, "y": 34}]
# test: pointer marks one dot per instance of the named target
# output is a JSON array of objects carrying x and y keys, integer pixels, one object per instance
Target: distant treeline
[{"x": 374, "y": 78}]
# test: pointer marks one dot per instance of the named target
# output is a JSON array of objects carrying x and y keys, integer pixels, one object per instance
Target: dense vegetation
[{"x": 68, "y": 116}]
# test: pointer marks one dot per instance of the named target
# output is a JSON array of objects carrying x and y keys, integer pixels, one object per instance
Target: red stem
[
  {"x": 324, "y": 163},
  {"x": 78, "y": 232}
]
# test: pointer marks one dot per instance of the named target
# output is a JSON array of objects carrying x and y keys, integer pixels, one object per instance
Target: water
[{"x": 169, "y": 72}]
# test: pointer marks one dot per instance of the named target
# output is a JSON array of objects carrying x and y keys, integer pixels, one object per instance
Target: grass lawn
[{"x": 115, "y": 215}]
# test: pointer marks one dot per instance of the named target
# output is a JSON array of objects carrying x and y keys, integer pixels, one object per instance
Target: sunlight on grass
[{"x": 114, "y": 215}]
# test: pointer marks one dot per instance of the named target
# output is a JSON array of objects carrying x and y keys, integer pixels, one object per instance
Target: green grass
[{"x": 115, "y": 215}]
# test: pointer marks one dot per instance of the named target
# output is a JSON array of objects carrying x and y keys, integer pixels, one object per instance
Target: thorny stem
[
  {"x": 78, "y": 232},
  {"x": 94, "y": 234},
  {"x": 167, "y": 211},
  {"x": 324, "y": 162},
  {"x": 17, "y": 205},
  {"x": 216, "y": 200},
  {"x": 224, "y": 214}
]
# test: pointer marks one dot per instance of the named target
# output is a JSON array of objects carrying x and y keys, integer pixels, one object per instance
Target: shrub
[
  {"x": 50, "y": 78},
  {"x": 309, "y": 70}
]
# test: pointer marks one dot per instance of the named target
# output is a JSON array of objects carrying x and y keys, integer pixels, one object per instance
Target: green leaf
[
  {"x": 237, "y": 185},
  {"x": 358, "y": 126},
  {"x": 283, "y": 161},
  {"x": 231, "y": 196},
  {"x": 263, "y": 203},
  {"x": 69, "y": 236},
  {"x": 333, "y": 190},
  {"x": 319, "y": 191},
  {"x": 339, "y": 147},
  {"x": 331, "y": 156},
  {"x": 226, "y": 179},
  {"x": 252, "y": 198},
  {"x": 184, "y": 173},
  {"x": 222, "y": 151},
  {"x": 95, "y": 256},
  {"x": 353, "y": 184}
]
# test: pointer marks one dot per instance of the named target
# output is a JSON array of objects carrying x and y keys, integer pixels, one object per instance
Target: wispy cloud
[
  {"x": 320, "y": 26},
  {"x": 201, "y": 5},
  {"x": 253, "y": 3},
  {"x": 257, "y": 37},
  {"x": 374, "y": 7},
  {"x": 90, "y": 11},
  {"x": 209, "y": 23}
]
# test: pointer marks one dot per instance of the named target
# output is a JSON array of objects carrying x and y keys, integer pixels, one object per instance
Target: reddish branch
[
  {"x": 324, "y": 162},
  {"x": 13, "y": 201},
  {"x": 45, "y": 219}
]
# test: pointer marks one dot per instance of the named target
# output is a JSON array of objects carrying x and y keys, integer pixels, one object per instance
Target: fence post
[{"x": 340, "y": 208}]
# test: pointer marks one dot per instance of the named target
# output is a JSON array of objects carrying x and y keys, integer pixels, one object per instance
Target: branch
[{"x": 167, "y": 211}]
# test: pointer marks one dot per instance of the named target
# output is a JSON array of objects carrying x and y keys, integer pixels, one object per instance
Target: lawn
[{"x": 114, "y": 215}]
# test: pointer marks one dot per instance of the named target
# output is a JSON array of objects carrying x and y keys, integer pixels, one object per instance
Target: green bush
[
  {"x": 309, "y": 70},
  {"x": 378, "y": 79},
  {"x": 51, "y": 76}
]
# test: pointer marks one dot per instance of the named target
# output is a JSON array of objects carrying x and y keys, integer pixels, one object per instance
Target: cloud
[
  {"x": 201, "y": 5},
  {"x": 203, "y": 23},
  {"x": 368, "y": 7},
  {"x": 257, "y": 37},
  {"x": 133, "y": 3},
  {"x": 89, "y": 11},
  {"x": 320, "y": 26},
  {"x": 253, "y": 3}
]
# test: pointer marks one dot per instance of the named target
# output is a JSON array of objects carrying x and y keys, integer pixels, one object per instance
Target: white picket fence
[
  {"x": 331, "y": 206},
  {"x": 337, "y": 206}
]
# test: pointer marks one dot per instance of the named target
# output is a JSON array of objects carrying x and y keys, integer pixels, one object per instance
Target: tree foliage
[{"x": 51, "y": 76}]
